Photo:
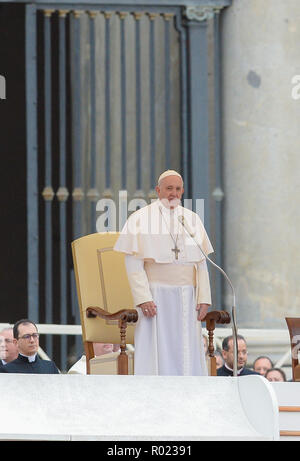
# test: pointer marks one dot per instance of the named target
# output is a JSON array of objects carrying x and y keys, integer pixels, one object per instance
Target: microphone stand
[{"x": 233, "y": 311}]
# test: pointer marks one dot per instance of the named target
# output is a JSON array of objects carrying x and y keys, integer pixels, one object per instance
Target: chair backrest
[{"x": 101, "y": 281}]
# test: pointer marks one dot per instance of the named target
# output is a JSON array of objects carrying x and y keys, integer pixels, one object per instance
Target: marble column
[{"x": 261, "y": 145}]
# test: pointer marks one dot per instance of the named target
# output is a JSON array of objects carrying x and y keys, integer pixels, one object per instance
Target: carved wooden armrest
[
  {"x": 212, "y": 318},
  {"x": 130, "y": 315},
  {"x": 221, "y": 317},
  {"x": 124, "y": 316}
]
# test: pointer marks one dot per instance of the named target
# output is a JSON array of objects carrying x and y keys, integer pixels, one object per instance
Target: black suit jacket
[
  {"x": 223, "y": 371},
  {"x": 22, "y": 365}
]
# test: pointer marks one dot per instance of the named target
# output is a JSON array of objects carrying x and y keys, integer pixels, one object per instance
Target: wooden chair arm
[
  {"x": 216, "y": 317},
  {"x": 128, "y": 315},
  {"x": 124, "y": 316},
  {"x": 212, "y": 318}
]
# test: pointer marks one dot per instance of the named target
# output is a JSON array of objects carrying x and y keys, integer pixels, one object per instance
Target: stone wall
[{"x": 261, "y": 146}]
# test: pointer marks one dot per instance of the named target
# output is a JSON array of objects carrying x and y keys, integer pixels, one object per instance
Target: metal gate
[{"x": 115, "y": 95}]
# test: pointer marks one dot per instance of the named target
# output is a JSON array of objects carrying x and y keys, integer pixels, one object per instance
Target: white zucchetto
[{"x": 168, "y": 173}]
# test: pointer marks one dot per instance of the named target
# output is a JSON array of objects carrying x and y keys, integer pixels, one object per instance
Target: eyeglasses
[{"x": 27, "y": 337}]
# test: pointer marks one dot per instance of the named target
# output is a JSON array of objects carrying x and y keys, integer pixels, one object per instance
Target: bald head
[{"x": 8, "y": 348}]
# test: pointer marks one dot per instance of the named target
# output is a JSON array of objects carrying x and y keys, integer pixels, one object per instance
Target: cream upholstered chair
[
  {"x": 103, "y": 289},
  {"x": 105, "y": 300}
]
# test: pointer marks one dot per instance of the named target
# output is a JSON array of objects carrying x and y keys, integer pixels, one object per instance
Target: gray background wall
[{"x": 261, "y": 120}]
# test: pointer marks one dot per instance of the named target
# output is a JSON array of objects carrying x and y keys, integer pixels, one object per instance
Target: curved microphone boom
[{"x": 234, "y": 328}]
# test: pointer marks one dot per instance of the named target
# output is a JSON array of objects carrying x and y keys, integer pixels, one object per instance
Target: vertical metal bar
[
  {"x": 32, "y": 165},
  {"x": 77, "y": 194},
  {"x": 77, "y": 191},
  {"x": 123, "y": 101},
  {"x": 152, "y": 17},
  {"x": 218, "y": 192},
  {"x": 62, "y": 98},
  {"x": 167, "y": 18},
  {"x": 198, "y": 98},
  {"x": 184, "y": 105},
  {"x": 48, "y": 191},
  {"x": 47, "y": 89},
  {"x": 93, "y": 193},
  {"x": 2, "y": 87},
  {"x": 93, "y": 97},
  {"x": 107, "y": 103},
  {"x": 62, "y": 193},
  {"x": 138, "y": 102}
]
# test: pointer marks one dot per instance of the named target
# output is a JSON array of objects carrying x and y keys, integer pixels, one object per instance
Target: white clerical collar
[
  {"x": 230, "y": 369},
  {"x": 31, "y": 358}
]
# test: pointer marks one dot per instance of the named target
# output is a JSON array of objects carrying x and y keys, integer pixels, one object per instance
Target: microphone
[{"x": 192, "y": 234}]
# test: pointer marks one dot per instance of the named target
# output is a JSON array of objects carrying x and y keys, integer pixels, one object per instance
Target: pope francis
[{"x": 169, "y": 280}]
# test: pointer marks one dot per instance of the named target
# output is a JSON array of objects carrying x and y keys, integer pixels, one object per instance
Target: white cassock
[{"x": 170, "y": 343}]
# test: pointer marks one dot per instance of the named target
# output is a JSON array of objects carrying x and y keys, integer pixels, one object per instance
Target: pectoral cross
[{"x": 176, "y": 251}]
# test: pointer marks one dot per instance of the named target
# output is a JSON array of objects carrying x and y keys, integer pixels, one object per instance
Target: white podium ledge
[{"x": 100, "y": 407}]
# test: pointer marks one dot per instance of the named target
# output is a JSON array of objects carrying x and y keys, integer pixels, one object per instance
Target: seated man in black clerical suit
[
  {"x": 228, "y": 355},
  {"x": 26, "y": 338}
]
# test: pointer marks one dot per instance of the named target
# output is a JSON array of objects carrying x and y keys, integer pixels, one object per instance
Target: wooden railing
[{"x": 290, "y": 409}]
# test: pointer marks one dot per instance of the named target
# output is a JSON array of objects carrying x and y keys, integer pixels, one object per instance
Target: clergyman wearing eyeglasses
[{"x": 26, "y": 338}]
